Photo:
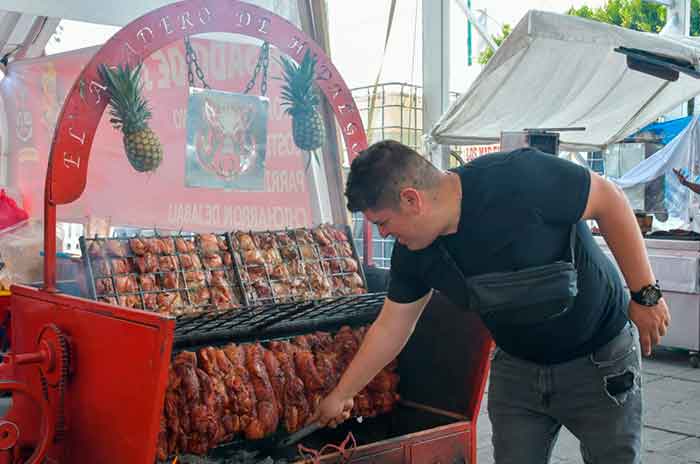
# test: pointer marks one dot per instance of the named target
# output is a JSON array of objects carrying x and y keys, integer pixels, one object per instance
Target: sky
[{"x": 357, "y": 30}]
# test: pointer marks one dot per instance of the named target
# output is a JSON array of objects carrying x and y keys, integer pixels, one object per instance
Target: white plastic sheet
[
  {"x": 562, "y": 71},
  {"x": 682, "y": 205}
]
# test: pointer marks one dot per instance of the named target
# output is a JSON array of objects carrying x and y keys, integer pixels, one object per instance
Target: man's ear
[{"x": 411, "y": 200}]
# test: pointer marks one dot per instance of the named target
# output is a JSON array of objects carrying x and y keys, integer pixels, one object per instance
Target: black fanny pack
[{"x": 529, "y": 296}]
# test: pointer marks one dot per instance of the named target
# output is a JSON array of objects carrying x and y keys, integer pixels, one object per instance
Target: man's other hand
[
  {"x": 652, "y": 322},
  {"x": 332, "y": 411},
  {"x": 681, "y": 178}
]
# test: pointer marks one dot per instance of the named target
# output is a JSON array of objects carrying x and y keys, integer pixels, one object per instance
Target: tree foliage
[
  {"x": 631, "y": 14},
  {"x": 486, "y": 55}
]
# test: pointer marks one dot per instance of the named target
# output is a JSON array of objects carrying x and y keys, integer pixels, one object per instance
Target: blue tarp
[{"x": 666, "y": 131}]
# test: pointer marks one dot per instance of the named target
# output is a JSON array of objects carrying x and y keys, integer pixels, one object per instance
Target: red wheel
[{"x": 10, "y": 432}]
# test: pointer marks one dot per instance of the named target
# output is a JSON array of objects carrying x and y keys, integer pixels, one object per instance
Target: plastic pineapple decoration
[
  {"x": 130, "y": 113},
  {"x": 301, "y": 100}
]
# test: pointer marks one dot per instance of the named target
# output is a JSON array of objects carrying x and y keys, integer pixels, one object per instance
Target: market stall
[
  {"x": 221, "y": 341},
  {"x": 566, "y": 72},
  {"x": 676, "y": 264}
]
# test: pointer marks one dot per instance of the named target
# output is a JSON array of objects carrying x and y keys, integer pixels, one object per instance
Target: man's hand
[
  {"x": 681, "y": 178},
  {"x": 332, "y": 411},
  {"x": 652, "y": 322}
]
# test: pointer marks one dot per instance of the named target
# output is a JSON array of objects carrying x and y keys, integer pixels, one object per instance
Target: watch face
[{"x": 651, "y": 295}]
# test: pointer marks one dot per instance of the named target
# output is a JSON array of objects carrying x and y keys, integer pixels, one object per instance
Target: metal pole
[
  {"x": 49, "y": 239},
  {"x": 469, "y": 36},
  {"x": 436, "y": 70}
]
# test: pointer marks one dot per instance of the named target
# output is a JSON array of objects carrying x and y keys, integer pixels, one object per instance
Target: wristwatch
[{"x": 648, "y": 295}]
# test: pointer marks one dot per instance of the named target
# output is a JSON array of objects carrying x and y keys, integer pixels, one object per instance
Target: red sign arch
[{"x": 76, "y": 126}]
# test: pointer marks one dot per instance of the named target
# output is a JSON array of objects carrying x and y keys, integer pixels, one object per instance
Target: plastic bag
[
  {"x": 21, "y": 250},
  {"x": 10, "y": 213}
]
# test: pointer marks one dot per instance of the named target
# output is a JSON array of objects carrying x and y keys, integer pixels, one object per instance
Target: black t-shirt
[{"x": 517, "y": 212}]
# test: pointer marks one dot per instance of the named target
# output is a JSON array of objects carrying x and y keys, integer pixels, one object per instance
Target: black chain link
[
  {"x": 191, "y": 59},
  {"x": 262, "y": 64}
]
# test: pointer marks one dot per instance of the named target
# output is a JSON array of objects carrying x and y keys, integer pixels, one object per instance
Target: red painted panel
[
  {"x": 114, "y": 399},
  {"x": 451, "y": 449}
]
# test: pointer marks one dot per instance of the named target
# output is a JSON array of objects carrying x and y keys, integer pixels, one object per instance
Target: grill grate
[
  {"x": 273, "y": 320},
  {"x": 183, "y": 284},
  {"x": 192, "y": 277}
]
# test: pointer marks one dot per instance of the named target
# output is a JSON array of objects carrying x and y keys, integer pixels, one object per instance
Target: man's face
[{"x": 406, "y": 224}]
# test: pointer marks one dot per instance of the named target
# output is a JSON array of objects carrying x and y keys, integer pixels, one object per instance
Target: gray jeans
[{"x": 597, "y": 397}]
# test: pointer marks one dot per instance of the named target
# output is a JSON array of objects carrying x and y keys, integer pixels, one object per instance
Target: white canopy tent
[{"x": 559, "y": 71}]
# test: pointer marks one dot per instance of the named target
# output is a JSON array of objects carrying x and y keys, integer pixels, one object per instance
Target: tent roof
[
  {"x": 112, "y": 13},
  {"x": 562, "y": 71},
  {"x": 24, "y": 35}
]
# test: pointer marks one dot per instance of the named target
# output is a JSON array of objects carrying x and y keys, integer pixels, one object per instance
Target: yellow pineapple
[{"x": 130, "y": 113}]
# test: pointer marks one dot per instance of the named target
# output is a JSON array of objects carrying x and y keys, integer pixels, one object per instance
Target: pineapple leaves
[{"x": 128, "y": 108}]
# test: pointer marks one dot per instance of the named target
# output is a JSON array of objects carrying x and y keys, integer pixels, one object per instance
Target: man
[{"x": 504, "y": 212}]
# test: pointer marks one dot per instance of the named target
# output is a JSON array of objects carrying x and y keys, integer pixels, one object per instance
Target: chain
[
  {"x": 262, "y": 64},
  {"x": 191, "y": 59}
]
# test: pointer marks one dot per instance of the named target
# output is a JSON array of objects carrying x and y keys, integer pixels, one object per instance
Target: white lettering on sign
[
  {"x": 145, "y": 34},
  {"x": 217, "y": 60},
  {"x": 178, "y": 65},
  {"x": 285, "y": 181},
  {"x": 281, "y": 144},
  {"x": 96, "y": 89},
  {"x": 244, "y": 18},
  {"x": 238, "y": 217},
  {"x": 163, "y": 79},
  {"x": 350, "y": 128},
  {"x": 185, "y": 21},
  {"x": 179, "y": 116},
  {"x": 79, "y": 139},
  {"x": 166, "y": 25},
  {"x": 71, "y": 161},
  {"x": 346, "y": 108},
  {"x": 205, "y": 15},
  {"x": 262, "y": 23},
  {"x": 297, "y": 44},
  {"x": 335, "y": 90}
]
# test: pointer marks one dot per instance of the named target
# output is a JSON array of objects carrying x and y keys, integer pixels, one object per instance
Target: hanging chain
[
  {"x": 262, "y": 64},
  {"x": 191, "y": 59}
]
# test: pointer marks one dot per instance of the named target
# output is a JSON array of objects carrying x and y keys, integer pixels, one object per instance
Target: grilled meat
[
  {"x": 245, "y": 241},
  {"x": 115, "y": 248},
  {"x": 104, "y": 286},
  {"x": 219, "y": 393},
  {"x": 147, "y": 263},
  {"x": 137, "y": 246}
]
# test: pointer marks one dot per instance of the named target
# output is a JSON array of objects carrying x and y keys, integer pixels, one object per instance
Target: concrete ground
[{"x": 671, "y": 416}]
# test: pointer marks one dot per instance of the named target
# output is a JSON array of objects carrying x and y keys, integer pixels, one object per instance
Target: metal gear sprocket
[{"x": 56, "y": 369}]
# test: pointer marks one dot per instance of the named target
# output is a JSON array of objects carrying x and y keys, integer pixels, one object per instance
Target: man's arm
[
  {"x": 609, "y": 207},
  {"x": 383, "y": 342},
  {"x": 685, "y": 182}
]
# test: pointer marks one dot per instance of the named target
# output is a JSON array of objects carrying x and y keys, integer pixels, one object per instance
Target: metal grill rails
[{"x": 261, "y": 323}]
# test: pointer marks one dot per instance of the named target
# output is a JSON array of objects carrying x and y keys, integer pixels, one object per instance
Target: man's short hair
[{"x": 379, "y": 174}]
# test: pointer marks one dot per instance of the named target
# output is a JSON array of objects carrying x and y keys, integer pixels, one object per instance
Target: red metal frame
[
  {"x": 87, "y": 99},
  {"x": 113, "y": 402},
  {"x": 120, "y": 356}
]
